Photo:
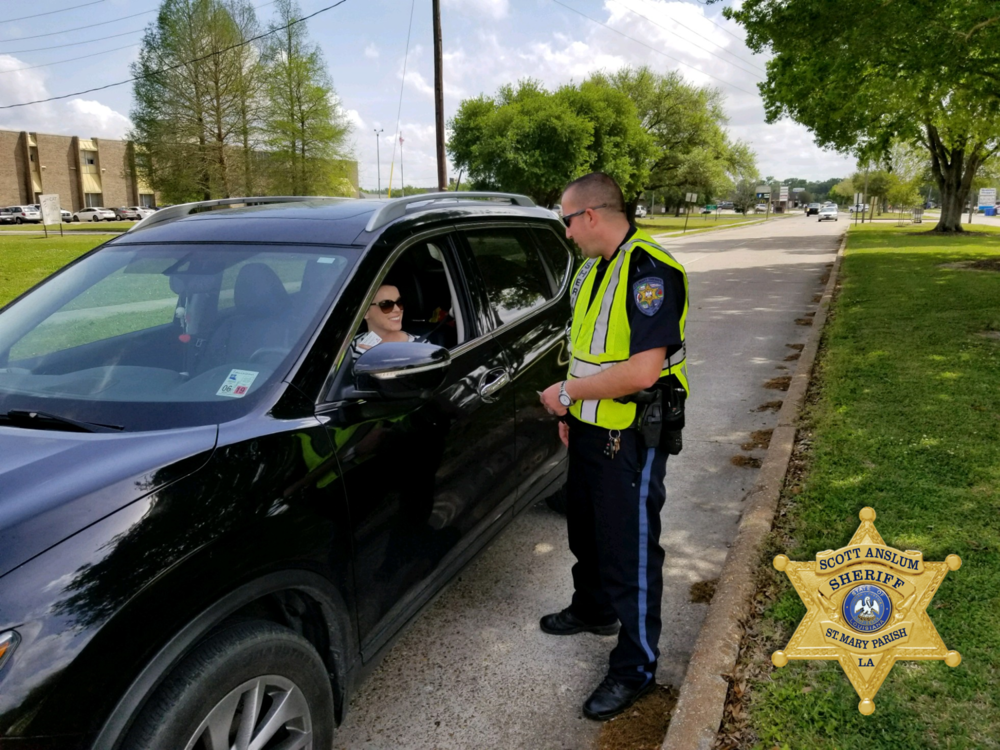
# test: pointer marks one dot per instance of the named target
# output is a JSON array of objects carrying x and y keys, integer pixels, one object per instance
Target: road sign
[
  {"x": 987, "y": 197},
  {"x": 783, "y": 195},
  {"x": 692, "y": 197},
  {"x": 798, "y": 190},
  {"x": 51, "y": 213},
  {"x": 763, "y": 195}
]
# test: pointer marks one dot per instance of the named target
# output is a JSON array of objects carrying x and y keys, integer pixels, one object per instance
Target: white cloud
[
  {"x": 83, "y": 117},
  {"x": 371, "y": 51},
  {"x": 494, "y": 9}
]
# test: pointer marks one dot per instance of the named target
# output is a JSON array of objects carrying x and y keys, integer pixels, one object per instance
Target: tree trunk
[
  {"x": 953, "y": 170},
  {"x": 630, "y": 207}
]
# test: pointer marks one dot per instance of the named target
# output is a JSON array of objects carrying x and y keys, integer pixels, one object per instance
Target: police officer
[{"x": 621, "y": 412}]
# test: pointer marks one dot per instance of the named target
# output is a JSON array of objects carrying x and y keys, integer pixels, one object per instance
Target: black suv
[{"x": 216, "y": 513}]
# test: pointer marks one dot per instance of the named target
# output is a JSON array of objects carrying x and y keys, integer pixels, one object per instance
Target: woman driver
[{"x": 384, "y": 319}]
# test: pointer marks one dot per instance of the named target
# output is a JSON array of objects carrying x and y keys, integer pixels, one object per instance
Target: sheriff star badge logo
[{"x": 866, "y": 607}]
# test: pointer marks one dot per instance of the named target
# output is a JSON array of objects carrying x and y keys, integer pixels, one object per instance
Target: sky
[{"x": 487, "y": 43}]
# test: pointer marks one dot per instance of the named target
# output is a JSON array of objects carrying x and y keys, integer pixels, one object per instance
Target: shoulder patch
[{"x": 648, "y": 294}]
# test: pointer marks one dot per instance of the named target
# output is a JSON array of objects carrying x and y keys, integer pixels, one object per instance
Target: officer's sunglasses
[
  {"x": 386, "y": 305},
  {"x": 569, "y": 217}
]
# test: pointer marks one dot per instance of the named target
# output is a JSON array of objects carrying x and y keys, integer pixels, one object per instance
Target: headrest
[
  {"x": 193, "y": 283},
  {"x": 259, "y": 291}
]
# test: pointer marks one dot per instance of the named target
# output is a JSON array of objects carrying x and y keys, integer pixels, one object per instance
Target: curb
[{"x": 698, "y": 715}]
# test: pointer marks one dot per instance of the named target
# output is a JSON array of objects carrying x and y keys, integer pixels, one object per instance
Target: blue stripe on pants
[{"x": 643, "y": 556}]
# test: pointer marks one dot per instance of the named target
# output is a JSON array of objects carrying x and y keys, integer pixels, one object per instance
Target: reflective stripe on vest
[{"x": 601, "y": 332}]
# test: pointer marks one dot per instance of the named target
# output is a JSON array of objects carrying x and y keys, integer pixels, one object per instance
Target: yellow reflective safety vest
[{"x": 601, "y": 334}]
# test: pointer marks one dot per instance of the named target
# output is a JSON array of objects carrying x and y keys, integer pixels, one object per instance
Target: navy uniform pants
[{"x": 613, "y": 518}]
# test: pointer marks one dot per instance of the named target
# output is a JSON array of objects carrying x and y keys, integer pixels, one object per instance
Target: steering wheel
[{"x": 261, "y": 355}]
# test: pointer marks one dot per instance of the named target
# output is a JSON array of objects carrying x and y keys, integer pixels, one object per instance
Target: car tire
[
  {"x": 76, "y": 219},
  {"x": 94, "y": 219},
  {"x": 212, "y": 686},
  {"x": 18, "y": 220}
]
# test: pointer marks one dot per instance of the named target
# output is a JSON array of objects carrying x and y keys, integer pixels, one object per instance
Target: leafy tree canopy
[
  {"x": 863, "y": 76},
  {"x": 528, "y": 140}
]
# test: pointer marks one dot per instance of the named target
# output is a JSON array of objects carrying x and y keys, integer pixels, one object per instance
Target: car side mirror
[{"x": 401, "y": 369}]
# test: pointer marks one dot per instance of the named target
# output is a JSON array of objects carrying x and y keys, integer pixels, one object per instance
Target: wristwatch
[{"x": 564, "y": 398}]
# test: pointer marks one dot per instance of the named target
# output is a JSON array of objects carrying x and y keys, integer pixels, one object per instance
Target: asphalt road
[{"x": 474, "y": 671}]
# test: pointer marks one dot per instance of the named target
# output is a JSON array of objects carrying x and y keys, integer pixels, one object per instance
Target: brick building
[{"x": 83, "y": 171}]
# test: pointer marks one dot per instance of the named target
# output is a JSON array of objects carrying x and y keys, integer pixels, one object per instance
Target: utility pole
[
  {"x": 864, "y": 197},
  {"x": 439, "y": 97},
  {"x": 378, "y": 160},
  {"x": 402, "y": 177}
]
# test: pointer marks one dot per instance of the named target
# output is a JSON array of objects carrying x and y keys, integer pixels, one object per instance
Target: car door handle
[{"x": 491, "y": 382}]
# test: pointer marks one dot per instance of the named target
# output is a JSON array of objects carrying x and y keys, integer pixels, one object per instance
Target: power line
[
  {"x": 71, "y": 44},
  {"x": 94, "y": 54},
  {"x": 402, "y": 85},
  {"x": 180, "y": 64},
  {"x": 643, "y": 44},
  {"x": 69, "y": 59},
  {"x": 50, "y": 13},
  {"x": 723, "y": 49},
  {"x": 76, "y": 28}
]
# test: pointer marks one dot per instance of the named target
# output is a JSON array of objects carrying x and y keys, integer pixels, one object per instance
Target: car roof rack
[
  {"x": 396, "y": 208},
  {"x": 172, "y": 213}
]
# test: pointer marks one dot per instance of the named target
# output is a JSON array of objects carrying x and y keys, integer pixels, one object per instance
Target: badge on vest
[{"x": 648, "y": 295}]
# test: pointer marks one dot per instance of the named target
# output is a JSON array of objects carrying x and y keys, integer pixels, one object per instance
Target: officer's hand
[
  {"x": 550, "y": 400},
  {"x": 564, "y": 433}
]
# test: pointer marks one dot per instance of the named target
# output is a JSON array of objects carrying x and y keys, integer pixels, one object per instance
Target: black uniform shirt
[{"x": 653, "y": 326}]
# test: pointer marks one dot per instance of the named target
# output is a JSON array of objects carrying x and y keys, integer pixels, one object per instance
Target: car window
[
  {"x": 558, "y": 257},
  {"x": 513, "y": 273},
  {"x": 153, "y": 337},
  {"x": 424, "y": 285}
]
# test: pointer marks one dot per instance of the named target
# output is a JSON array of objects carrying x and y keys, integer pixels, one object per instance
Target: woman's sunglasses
[{"x": 386, "y": 305}]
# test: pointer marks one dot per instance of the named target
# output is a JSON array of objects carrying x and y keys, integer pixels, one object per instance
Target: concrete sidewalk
[{"x": 474, "y": 671}]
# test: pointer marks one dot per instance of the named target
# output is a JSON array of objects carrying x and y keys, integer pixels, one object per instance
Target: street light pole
[
  {"x": 442, "y": 168},
  {"x": 378, "y": 160},
  {"x": 402, "y": 178}
]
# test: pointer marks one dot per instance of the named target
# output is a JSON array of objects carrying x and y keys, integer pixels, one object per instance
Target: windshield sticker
[
  {"x": 326, "y": 260},
  {"x": 237, "y": 383}
]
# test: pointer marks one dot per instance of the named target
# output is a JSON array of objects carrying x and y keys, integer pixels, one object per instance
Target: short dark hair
[{"x": 597, "y": 188}]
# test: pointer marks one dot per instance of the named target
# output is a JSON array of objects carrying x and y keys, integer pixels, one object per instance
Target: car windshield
[{"x": 158, "y": 336}]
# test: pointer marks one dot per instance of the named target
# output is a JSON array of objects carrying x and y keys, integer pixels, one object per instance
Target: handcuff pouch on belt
[{"x": 659, "y": 415}]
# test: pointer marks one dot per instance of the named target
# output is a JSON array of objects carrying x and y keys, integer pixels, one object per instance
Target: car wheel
[
  {"x": 256, "y": 681},
  {"x": 94, "y": 219},
  {"x": 76, "y": 219},
  {"x": 17, "y": 220}
]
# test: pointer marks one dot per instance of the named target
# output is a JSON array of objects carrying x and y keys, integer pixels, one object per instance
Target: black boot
[
  {"x": 566, "y": 623},
  {"x": 613, "y": 697}
]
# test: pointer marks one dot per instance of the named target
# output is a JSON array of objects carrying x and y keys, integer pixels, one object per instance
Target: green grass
[
  {"x": 695, "y": 223},
  {"x": 93, "y": 226},
  {"x": 908, "y": 422},
  {"x": 24, "y": 260}
]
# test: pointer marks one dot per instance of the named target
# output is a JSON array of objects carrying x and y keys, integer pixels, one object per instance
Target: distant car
[
  {"x": 6, "y": 216},
  {"x": 706, "y": 210},
  {"x": 94, "y": 213},
  {"x": 828, "y": 213},
  {"x": 126, "y": 213},
  {"x": 761, "y": 207},
  {"x": 725, "y": 205},
  {"x": 558, "y": 209},
  {"x": 812, "y": 208},
  {"x": 143, "y": 211},
  {"x": 858, "y": 207},
  {"x": 66, "y": 215},
  {"x": 640, "y": 212},
  {"x": 26, "y": 214}
]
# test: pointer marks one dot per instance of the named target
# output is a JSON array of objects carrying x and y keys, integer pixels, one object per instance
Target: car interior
[
  {"x": 233, "y": 310},
  {"x": 425, "y": 283}
]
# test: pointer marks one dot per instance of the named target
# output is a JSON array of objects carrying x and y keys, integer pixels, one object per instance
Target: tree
[
  {"x": 528, "y": 140},
  {"x": 305, "y": 130},
  {"x": 867, "y": 76},
  {"x": 843, "y": 192},
  {"x": 692, "y": 150},
  {"x": 745, "y": 194},
  {"x": 189, "y": 91}
]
